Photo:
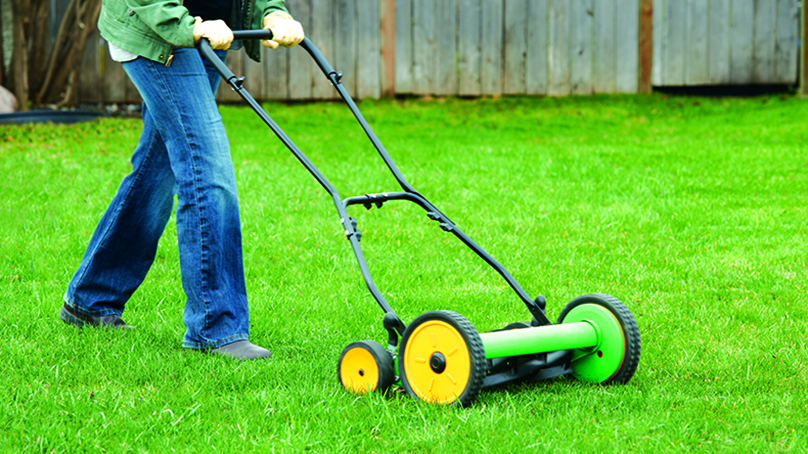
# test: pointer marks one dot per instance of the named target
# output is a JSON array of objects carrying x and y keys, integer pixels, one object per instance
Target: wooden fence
[
  {"x": 722, "y": 42},
  {"x": 492, "y": 47}
]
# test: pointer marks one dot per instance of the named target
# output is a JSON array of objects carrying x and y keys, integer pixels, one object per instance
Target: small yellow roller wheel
[
  {"x": 365, "y": 366},
  {"x": 441, "y": 359}
]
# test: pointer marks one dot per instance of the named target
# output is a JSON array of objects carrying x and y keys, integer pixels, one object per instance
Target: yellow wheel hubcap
[
  {"x": 358, "y": 371},
  {"x": 437, "y": 362}
]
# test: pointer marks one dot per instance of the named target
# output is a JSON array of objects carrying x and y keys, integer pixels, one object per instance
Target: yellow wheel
[
  {"x": 441, "y": 359},
  {"x": 365, "y": 366}
]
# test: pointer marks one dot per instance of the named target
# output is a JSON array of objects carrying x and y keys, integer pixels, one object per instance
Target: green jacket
[{"x": 152, "y": 28}]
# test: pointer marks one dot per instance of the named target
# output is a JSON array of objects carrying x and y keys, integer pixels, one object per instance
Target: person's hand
[
  {"x": 286, "y": 31},
  {"x": 216, "y": 31}
]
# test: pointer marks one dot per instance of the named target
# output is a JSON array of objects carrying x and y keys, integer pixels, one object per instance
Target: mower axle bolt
[{"x": 437, "y": 362}]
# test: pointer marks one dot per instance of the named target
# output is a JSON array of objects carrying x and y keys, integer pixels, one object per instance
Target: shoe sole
[
  {"x": 79, "y": 320},
  {"x": 70, "y": 319}
]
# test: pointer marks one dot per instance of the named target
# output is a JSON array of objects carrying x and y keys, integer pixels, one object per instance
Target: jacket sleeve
[
  {"x": 274, "y": 5},
  {"x": 168, "y": 18}
]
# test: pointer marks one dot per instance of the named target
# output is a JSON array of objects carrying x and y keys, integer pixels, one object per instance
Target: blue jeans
[{"x": 182, "y": 151}]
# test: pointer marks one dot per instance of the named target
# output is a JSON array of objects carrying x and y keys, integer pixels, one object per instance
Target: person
[{"x": 183, "y": 151}]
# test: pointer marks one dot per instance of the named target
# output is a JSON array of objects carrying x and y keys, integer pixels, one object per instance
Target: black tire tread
[{"x": 383, "y": 359}]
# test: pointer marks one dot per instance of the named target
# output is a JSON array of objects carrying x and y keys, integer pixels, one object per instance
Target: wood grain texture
[
  {"x": 742, "y": 41},
  {"x": 321, "y": 34},
  {"x": 493, "y": 47},
  {"x": 536, "y": 60},
  {"x": 659, "y": 44},
  {"x": 404, "y": 46},
  {"x": 446, "y": 47},
  {"x": 91, "y": 78},
  {"x": 469, "y": 48},
  {"x": 581, "y": 28},
  {"x": 424, "y": 43},
  {"x": 275, "y": 65},
  {"x": 515, "y": 64},
  {"x": 765, "y": 41},
  {"x": 114, "y": 90},
  {"x": 301, "y": 66},
  {"x": 559, "y": 49},
  {"x": 676, "y": 40},
  {"x": 627, "y": 36},
  {"x": 606, "y": 56},
  {"x": 345, "y": 42},
  {"x": 368, "y": 58},
  {"x": 719, "y": 51},
  {"x": 492, "y": 41},
  {"x": 788, "y": 30},
  {"x": 387, "y": 29}
]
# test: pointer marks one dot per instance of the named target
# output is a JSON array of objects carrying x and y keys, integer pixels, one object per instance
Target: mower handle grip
[
  {"x": 224, "y": 71},
  {"x": 315, "y": 53},
  {"x": 252, "y": 34}
]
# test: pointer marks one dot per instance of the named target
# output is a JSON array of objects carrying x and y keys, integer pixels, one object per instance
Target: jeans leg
[
  {"x": 124, "y": 243},
  {"x": 181, "y": 101}
]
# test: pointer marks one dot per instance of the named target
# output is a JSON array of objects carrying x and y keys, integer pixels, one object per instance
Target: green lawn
[{"x": 692, "y": 211}]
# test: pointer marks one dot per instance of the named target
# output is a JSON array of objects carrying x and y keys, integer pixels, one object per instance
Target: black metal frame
[{"x": 392, "y": 322}]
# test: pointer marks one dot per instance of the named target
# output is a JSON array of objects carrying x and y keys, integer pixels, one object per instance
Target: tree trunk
[
  {"x": 50, "y": 78},
  {"x": 60, "y": 82},
  {"x": 37, "y": 34},
  {"x": 19, "y": 57}
]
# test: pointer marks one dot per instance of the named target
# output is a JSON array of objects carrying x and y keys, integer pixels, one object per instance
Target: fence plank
[
  {"x": 741, "y": 41},
  {"x": 516, "y": 12},
  {"x": 627, "y": 36},
  {"x": 275, "y": 73},
  {"x": 659, "y": 43},
  {"x": 301, "y": 66},
  {"x": 446, "y": 48},
  {"x": 479, "y": 47},
  {"x": 424, "y": 37},
  {"x": 559, "y": 49},
  {"x": 91, "y": 79},
  {"x": 322, "y": 35},
  {"x": 345, "y": 36},
  {"x": 696, "y": 72},
  {"x": 254, "y": 77},
  {"x": 581, "y": 28},
  {"x": 404, "y": 46},
  {"x": 368, "y": 61},
  {"x": 718, "y": 57},
  {"x": 492, "y": 32},
  {"x": 469, "y": 48},
  {"x": 765, "y": 42},
  {"x": 676, "y": 40},
  {"x": 387, "y": 29},
  {"x": 536, "y": 60},
  {"x": 788, "y": 15},
  {"x": 114, "y": 78},
  {"x": 606, "y": 55}
]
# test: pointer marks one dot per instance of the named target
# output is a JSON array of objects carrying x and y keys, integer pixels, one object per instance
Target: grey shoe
[
  {"x": 242, "y": 350},
  {"x": 76, "y": 318}
]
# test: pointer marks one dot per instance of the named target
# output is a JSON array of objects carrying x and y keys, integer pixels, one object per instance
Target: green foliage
[{"x": 692, "y": 211}]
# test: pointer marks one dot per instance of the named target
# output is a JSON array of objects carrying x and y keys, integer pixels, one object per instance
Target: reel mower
[{"x": 439, "y": 357}]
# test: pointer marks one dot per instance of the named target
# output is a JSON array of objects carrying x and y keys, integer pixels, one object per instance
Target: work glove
[
  {"x": 286, "y": 31},
  {"x": 216, "y": 31}
]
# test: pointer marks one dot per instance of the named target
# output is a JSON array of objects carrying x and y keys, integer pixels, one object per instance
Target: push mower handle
[
  {"x": 224, "y": 71},
  {"x": 306, "y": 44},
  {"x": 252, "y": 34}
]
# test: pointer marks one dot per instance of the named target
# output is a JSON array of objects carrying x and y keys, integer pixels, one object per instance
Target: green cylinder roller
[{"x": 542, "y": 339}]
